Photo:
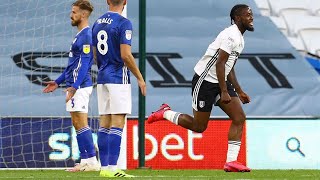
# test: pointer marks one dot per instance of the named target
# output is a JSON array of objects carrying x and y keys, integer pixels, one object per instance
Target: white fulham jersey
[{"x": 231, "y": 41}]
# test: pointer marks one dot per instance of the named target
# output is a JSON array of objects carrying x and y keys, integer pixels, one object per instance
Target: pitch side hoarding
[
  {"x": 51, "y": 142},
  {"x": 283, "y": 143},
  {"x": 43, "y": 142},
  {"x": 172, "y": 147}
]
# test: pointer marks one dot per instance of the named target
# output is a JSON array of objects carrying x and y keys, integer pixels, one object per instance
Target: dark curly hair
[{"x": 235, "y": 11}]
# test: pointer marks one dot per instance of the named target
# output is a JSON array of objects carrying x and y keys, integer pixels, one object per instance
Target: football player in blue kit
[
  {"x": 112, "y": 35},
  {"x": 79, "y": 84}
]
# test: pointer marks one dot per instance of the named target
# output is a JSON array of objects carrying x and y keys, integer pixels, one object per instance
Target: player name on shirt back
[{"x": 105, "y": 20}]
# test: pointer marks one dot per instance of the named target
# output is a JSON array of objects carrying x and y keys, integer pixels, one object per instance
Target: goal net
[{"x": 35, "y": 129}]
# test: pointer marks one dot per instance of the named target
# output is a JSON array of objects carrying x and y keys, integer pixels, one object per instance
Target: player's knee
[
  {"x": 239, "y": 120},
  {"x": 200, "y": 128},
  {"x": 200, "y": 124},
  {"x": 77, "y": 126}
]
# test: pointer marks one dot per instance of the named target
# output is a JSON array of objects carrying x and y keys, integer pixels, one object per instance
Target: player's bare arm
[
  {"x": 94, "y": 50},
  {"x": 220, "y": 66},
  {"x": 129, "y": 61},
  {"x": 233, "y": 79}
]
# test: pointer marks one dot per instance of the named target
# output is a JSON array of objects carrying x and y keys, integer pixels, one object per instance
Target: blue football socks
[
  {"x": 103, "y": 138},
  {"x": 114, "y": 145},
  {"x": 85, "y": 143}
]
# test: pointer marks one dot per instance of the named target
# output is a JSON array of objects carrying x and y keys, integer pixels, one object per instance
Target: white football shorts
[
  {"x": 114, "y": 98},
  {"x": 80, "y": 101}
]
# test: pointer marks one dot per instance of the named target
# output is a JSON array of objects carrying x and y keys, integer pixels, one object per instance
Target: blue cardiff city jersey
[
  {"x": 77, "y": 73},
  {"x": 109, "y": 32}
]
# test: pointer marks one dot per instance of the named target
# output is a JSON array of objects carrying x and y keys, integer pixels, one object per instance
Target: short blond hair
[{"x": 84, "y": 5}]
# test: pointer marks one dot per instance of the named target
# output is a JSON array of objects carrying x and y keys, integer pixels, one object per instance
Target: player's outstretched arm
[
  {"x": 129, "y": 61},
  {"x": 51, "y": 86}
]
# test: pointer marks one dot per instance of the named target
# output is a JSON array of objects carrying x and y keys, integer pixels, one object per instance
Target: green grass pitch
[{"x": 164, "y": 174}]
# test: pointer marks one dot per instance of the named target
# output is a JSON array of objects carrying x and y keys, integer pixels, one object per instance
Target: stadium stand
[
  {"x": 264, "y": 7},
  {"x": 308, "y": 36},
  {"x": 284, "y": 7},
  {"x": 299, "y": 21}
]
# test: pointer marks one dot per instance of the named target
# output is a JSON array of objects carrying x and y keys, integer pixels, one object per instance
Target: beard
[
  {"x": 250, "y": 28},
  {"x": 75, "y": 22},
  {"x": 247, "y": 26}
]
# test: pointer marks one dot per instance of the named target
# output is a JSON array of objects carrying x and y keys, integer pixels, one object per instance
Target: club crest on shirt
[
  {"x": 86, "y": 48},
  {"x": 128, "y": 34},
  {"x": 201, "y": 104}
]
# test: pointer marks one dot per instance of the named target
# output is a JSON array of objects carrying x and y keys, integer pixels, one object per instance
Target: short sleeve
[
  {"x": 126, "y": 33},
  {"x": 227, "y": 42}
]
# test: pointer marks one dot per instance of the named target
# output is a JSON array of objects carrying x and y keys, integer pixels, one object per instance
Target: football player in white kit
[{"x": 215, "y": 83}]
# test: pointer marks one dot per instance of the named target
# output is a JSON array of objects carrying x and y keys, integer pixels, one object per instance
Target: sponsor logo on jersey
[
  {"x": 128, "y": 34},
  {"x": 86, "y": 48},
  {"x": 231, "y": 39},
  {"x": 230, "y": 42}
]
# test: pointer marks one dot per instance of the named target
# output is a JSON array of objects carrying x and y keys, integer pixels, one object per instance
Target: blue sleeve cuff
[
  {"x": 60, "y": 79},
  {"x": 75, "y": 86}
]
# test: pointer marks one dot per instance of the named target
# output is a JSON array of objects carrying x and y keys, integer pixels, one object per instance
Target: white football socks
[
  {"x": 171, "y": 116},
  {"x": 112, "y": 167},
  {"x": 104, "y": 167},
  {"x": 83, "y": 161},
  {"x": 92, "y": 160},
  {"x": 233, "y": 150}
]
